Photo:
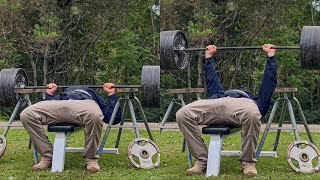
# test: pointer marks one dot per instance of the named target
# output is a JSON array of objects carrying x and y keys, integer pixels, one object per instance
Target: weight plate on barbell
[
  {"x": 171, "y": 59},
  {"x": 146, "y": 151},
  {"x": 150, "y": 86},
  {"x": 310, "y": 47},
  {"x": 303, "y": 157},
  {"x": 9, "y": 79}
]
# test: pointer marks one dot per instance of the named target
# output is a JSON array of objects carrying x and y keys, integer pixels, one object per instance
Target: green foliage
[
  {"x": 202, "y": 24},
  {"x": 83, "y": 43},
  {"x": 124, "y": 57},
  {"x": 248, "y": 23},
  {"x": 9, "y": 55},
  {"x": 48, "y": 27}
]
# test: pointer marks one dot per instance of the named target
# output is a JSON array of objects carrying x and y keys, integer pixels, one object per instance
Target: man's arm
[
  {"x": 110, "y": 104},
  {"x": 269, "y": 81},
  {"x": 213, "y": 83}
]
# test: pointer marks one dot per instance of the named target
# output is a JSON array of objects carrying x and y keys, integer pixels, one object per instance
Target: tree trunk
[
  {"x": 189, "y": 75},
  {"x": 318, "y": 88},
  {"x": 200, "y": 67},
  {"x": 45, "y": 65},
  {"x": 236, "y": 71},
  {"x": 34, "y": 68},
  {"x": 155, "y": 47},
  {"x": 311, "y": 96}
]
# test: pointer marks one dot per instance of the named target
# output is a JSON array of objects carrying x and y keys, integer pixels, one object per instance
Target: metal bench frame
[
  {"x": 215, "y": 146},
  {"x": 59, "y": 146},
  {"x": 63, "y": 131}
]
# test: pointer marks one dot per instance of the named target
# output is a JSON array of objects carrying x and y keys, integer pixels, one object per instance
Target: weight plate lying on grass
[
  {"x": 3, "y": 145},
  {"x": 144, "y": 150},
  {"x": 303, "y": 157}
]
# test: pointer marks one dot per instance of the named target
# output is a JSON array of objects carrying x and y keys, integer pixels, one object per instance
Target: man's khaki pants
[
  {"x": 239, "y": 112},
  {"x": 85, "y": 113}
]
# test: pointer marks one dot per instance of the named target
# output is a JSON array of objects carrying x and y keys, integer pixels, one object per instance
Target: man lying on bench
[
  {"x": 238, "y": 108},
  {"x": 78, "y": 106}
]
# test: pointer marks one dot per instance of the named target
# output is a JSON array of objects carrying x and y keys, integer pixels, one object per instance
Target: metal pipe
[
  {"x": 79, "y": 86},
  {"x": 239, "y": 48}
]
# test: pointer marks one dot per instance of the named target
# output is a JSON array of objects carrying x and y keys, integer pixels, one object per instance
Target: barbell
[
  {"x": 15, "y": 81},
  {"x": 174, "y": 50}
]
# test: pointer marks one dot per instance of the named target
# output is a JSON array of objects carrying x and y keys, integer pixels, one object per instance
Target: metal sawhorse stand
[
  {"x": 174, "y": 101},
  {"x": 286, "y": 95},
  {"x": 127, "y": 97}
]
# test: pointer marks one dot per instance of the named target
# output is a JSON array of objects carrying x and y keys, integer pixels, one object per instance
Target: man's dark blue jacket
[
  {"x": 269, "y": 83},
  {"x": 106, "y": 107}
]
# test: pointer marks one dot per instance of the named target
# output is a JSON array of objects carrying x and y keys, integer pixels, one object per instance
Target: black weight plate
[
  {"x": 9, "y": 79},
  {"x": 310, "y": 47},
  {"x": 150, "y": 86},
  {"x": 169, "y": 58}
]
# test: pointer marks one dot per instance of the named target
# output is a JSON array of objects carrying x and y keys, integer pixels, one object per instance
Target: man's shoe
[
  {"x": 196, "y": 170},
  {"x": 93, "y": 166},
  {"x": 249, "y": 170},
  {"x": 42, "y": 165}
]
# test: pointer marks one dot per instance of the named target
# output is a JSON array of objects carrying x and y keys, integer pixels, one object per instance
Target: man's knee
[
  {"x": 25, "y": 115},
  {"x": 182, "y": 114},
  {"x": 95, "y": 118},
  {"x": 253, "y": 117}
]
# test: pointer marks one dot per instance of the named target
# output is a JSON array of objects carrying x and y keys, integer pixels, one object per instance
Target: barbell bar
[
  {"x": 15, "y": 81},
  {"x": 75, "y": 86},
  {"x": 174, "y": 50},
  {"x": 238, "y": 48}
]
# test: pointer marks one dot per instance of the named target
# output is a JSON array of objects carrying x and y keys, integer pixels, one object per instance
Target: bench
[
  {"x": 59, "y": 147},
  {"x": 217, "y": 134}
]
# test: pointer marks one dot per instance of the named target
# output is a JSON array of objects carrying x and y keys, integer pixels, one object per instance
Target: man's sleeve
[
  {"x": 52, "y": 97},
  {"x": 268, "y": 85},
  {"x": 48, "y": 96},
  {"x": 213, "y": 83},
  {"x": 108, "y": 110}
]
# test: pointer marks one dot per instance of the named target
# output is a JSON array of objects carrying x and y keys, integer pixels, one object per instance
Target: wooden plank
[
  {"x": 286, "y": 89},
  {"x": 28, "y": 91},
  {"x": 186, "y": 90},
  {"x": 123, "y": 90}
]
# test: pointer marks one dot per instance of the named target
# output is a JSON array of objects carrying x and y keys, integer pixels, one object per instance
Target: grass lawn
[{"x": 18, "y": 159}]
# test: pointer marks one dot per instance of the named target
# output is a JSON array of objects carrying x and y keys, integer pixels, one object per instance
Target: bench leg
[
  {"x": 59, "y": 152},
  {"x": 189, "y": 156},
  {"x": 214, "y": 155}
]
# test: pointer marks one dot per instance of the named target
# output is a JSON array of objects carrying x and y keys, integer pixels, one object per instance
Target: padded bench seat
[
  {"x": 217, "y": 134},
  {"x": 67, "y": 128},
  {"x": 220, "y": 129}
]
